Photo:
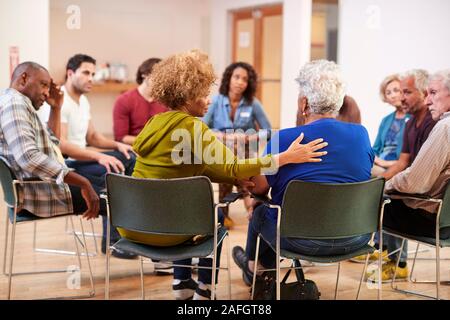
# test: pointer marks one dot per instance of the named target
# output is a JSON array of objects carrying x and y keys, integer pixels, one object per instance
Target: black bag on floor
[{"x": 302, "y": 289}]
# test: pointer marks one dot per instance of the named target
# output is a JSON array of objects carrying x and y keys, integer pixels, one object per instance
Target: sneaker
[
  {"x": 201, "y": 294},
  {"x": 372, "y": 257},
  {"x": 387, "y": 273},
  {"x": 184, "y": 290},
  {"x": 241, "y": 259}
]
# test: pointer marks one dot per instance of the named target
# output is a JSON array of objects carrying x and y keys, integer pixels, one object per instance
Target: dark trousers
[
  {"x": 204, "y": 275},
  {"x": 262, "y": 223},
  {"x": 93, "y": 168},
  {"x": 96, "y": 173},
  {"x": 418, "y": 222}
]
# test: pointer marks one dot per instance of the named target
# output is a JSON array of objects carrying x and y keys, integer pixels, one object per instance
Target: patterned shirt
[
  {"x": 430, "y": 171},
  {"x": 30, "y": 151}
]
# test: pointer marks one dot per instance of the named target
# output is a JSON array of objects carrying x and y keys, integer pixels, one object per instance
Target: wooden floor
[{"x": 125, "y": 280}]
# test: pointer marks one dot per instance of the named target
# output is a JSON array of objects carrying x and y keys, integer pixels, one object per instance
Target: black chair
[
  {"x": 442, "y": 221},
  {"x": 10, "y": 191},
  {"x": 326, "y": 211},
  {"x": 183, "y": 206}
]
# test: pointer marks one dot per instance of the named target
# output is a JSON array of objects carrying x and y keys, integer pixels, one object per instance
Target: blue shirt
[
  {"x": 380, "y": 141},
  {"x": 350, "y": 156},
  {"x": 218, "y": 115}
]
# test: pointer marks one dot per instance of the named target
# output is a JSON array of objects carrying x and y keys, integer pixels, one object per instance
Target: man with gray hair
[
  {"x": 428, "y": 174},
  {"x": 350, "y": 158},
  {"x": 414, "y": 87}
]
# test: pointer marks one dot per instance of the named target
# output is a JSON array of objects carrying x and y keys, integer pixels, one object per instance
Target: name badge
[{"x": 245, "y": 114}]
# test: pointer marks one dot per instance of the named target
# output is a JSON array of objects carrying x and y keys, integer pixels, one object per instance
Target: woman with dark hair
[
  {"x": 236, "y": 108},
  {"x": 133, "y": 108}
]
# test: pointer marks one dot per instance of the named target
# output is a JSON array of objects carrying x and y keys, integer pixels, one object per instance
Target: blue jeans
[
  {"x": 204, "y": 275},
  {"x": 93, "y": 168},
  {"x": 262, "y": 223},
  {"x": 393, "y": 243},
  {"x": 95, "y": 173}
]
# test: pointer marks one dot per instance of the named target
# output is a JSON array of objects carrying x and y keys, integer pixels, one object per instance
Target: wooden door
[{"x": 257, "y": 39}]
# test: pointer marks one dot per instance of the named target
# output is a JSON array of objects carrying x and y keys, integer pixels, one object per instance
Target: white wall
[
  {"x": 128, "y": 32},
  {"x": 296, "y": 44},
  {"x": 380, "y": 37},
  {"x": 23, "y": 23}
]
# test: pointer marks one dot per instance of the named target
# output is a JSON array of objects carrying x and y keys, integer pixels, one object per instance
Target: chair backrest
[
  {"x": 183, "y": 206},
  {"x": 6, "y": 178},
  {"x": 331, "y": 211},
  {"x": 445, "y": 211}
]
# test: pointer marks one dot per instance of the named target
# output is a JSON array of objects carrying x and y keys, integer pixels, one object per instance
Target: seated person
[
  {"x": 389, "y": 141},
  {"x": 31, "y": 149},
  {"x": 349, "y": 159},
  {"x": 182, "y": 82},
  {"x": 349, "y": 111},
  {"x": 236, "y": 107},
  {"x": 133, "y": 108},
  {"x": 429, "y": 175}
]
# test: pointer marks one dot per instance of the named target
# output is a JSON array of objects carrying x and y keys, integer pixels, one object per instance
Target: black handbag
[{"x": 302, "y": 289}]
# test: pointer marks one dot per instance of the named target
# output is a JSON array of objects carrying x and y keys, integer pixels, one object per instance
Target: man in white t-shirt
[{"x": 78, "y": 134}]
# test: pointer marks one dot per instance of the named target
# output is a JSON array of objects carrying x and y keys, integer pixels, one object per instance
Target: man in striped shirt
[
  {"x": 427, "y": 175},
  {"x": 31, "y": 149}
]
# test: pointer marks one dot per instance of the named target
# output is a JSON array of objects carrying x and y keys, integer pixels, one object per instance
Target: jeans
[
  {"x": 93, "y": 168},
  {"x": 96, "y": 173},
  {"x": 262, "y": 223},
  {"x": 204, "y": 275}
]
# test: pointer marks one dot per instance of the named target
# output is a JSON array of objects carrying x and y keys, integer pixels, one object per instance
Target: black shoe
[
  {"x": 241, "y": 259},
  {"x": 201, "y": 294},
  {"x": 184, "y": 290},
  {"x": 118, "y": 253}
]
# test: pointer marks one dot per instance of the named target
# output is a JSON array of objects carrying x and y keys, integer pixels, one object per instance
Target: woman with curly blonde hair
[{"x": 182, "y": 82}]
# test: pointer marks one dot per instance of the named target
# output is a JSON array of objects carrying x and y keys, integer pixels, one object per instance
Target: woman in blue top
[
  {"x": 349, "y": 159},
  {"x": 388, "y": 144},
  {"x": 236, "y": 108}
]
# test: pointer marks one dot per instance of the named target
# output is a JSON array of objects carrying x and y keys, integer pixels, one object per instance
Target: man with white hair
[
  {"x": 427, "y": 175},
  {"x": 350, "y": 158},
  {"x": 413, "y": 84}
]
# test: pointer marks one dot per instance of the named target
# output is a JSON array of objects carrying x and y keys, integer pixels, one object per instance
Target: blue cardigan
[{"x": 384, "y": 129}]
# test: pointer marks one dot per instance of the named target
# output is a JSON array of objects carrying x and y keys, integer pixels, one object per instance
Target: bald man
[{"x": 31, "y": 149}]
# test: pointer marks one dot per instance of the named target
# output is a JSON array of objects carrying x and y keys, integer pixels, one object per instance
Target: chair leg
[
  {"x": 91, "y": 276},
  {"x": 5, "y": 252},
  {"x": 108, "y": 253},
  {"x": 255, "y": 269},
  {"x": 229, "y": 266},
  {"x": 337, "y": 281},
  {"x": 58, "y": 251},
  {"x": 362, "y": 275},
  {"x": 141, "y": 269},
  {"x": 214, "y": 272},
  {"x": 11, "y": 258}
]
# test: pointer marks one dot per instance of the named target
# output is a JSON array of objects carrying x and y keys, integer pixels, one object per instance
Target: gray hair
[
  {"x": 320, "y": 81},
  {"x": 420, "y": 78},
  {"x": 443, "y": 75}
]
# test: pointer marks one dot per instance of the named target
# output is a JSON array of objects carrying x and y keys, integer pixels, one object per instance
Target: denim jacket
[
  {"x": 383, "y": 131},
  {"x": 218, "y": 115}
]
